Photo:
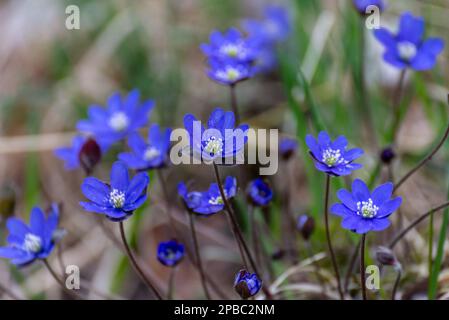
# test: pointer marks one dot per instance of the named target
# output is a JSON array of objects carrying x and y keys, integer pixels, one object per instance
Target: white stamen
[
  {"x": 119, "y": 121},
  {"x": 332, "y": 157},
  {"x": 151, "y": 153},
  {"x": 229, "y": 74},
  {"x": 32, "y": 243},
  {"x": 230, "y": 50},
  {"x": 214, "y": 146},
  {"x": 117, "y": 198},
  {"x": 218, "y": 200},
  {"x": 367, "y": 209},
  {"x": 407, "y": 50}
]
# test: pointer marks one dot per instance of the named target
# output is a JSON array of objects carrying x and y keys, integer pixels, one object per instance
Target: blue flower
[
  {"x": 210, "y": 201},
  {"x": 273, "y": 28},
  {"x": 170, "y": 253},
  {"x": 229, "y": 46},
  {"x": 122, "y": 117},
  {"x": 332, "y": 157},
  {"x": 287, "y": 147},
  {"x": 82, "y": 148},
  {"x": 306, "y": 226},
  {"x": 363, "y": 211},
  {"x": 361, "y": 5},
  {"x": 119, "y": 199},
  {"x": 36, "y": 241},
  {"x": 228, "y": 72},
  {"x": 220, "y": 141},
  {"x": 259, "y": 192},
  {"x": 408, "y": 48},
  {"x": 247, "y": 284},
  {"x": 151, "y": 155}
]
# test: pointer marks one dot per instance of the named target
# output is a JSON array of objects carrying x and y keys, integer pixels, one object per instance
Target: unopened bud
[
  {"x": 247, "y": 284},
  {"x": 387, "y": 155},
  {"x": 89, "y": 155},
  {"x": 306, "y": 225},
  {"x": 386, "y": 257}
]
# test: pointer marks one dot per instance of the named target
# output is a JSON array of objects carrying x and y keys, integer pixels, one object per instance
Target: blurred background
[{"x": 50, "y": 75}]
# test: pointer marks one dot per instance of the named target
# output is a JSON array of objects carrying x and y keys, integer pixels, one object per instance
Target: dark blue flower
[
  {"x": 273, "y": 28},
  {"x": 408, "y": 48},
  {"x": 229, "y": 72},
  {"x": 332, "y": 157},
  {"x": 210, "y": 201},
  {"x": 229, "y": 46},
  {"x": 122, "y": 117},
  {"x": 247, "y": 284},
  {"x": 73, "y": 157},
  {"x": 151, "y": 155},
  {"x": 36, "y": 241},
  {"x": 287, "y": 147},
  {"x": 119, "y": 199},
  {"x": 170, "y": 253},
  {"x": 361, "y": 5},
  {"x": 363, "y": 211},
  {"x": 259, "y": 192},
  {"x": 220, "y": 140}
]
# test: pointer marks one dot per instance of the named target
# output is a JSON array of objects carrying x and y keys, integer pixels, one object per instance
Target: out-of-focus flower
[
  {"x": 118, "y": 120},
  {"x": 229, "y": 73},
  {"x": 408, "y": 48},
  {"x": 36, "y": 241},
  {"x": 210, "y": 201},
  {"x": 387, "y": 155},
  {"x": 363, "y": 211},
  {"x": 259, "y": 192},
  {"x": 220, "y": 140},
  {"x": 386, "y": 257},
  {"x": 362, "y": 5},
  {"x": 170, "y": 253},
  {"x": 85, "y": 152},
  {"x": 247, "y": 284},
  {"x": 306, "y": 225},
  {"x": 151, "y": 155},
  {"x": 332, "y": 157},
  {"x": 288, "y": 147},
  {"x": 119, "y": 199}
]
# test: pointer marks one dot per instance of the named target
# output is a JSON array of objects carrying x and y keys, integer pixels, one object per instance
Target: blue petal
[
  {"x": 385, "y": 37},
  {"x": 324, "y": 140},
  {"x": 137, "y": 186},
  {"x": 380, "y": 224},
  {"x": 136, "y": 142},
  {"x": 17, "y": 227},
  {"x": 351, "y": 222},
  {"x": 230, "y": 186},
  {"x": 37, "y": 222},
  {"x": 340, "y": 143},
  {"x": 363, "y": 226},
  {"x": 392, "y": 57},
  {"x": 114, "y": 103},
  {"x": 119, "y": 176},
  {"x": 93, "y": 207},
  {"x": 360, "y": 190},
  {"x": 136, "y": 203},
  {"x": 340, "y": 210},
  {"x": 313, "y": 146},
  {"x": 426, "y": 57},
  {"x": 382, "y": 193},
  {"x": 228, "y": 120},
  {"x": 95, "y": 190},
  {"x": 132, "y": 161},
  {"x": 182, "y": 189},
  {"x": 216, "y": 118},
  {"x": 347, "y": 199},
  {"x": 389, "y": 207},
  {"x": 353, "y": 154},
  {"x": 10, "y": 252},
  {"x": 411, "y": 28}
]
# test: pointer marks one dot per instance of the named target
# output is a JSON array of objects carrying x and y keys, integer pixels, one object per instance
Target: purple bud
[
  {"x": 387, "y": 155},
  {"x": 306, "y": 225},
  {"x": 89, "y": 155},
  {"x": 386, "y": 257},
  {"x": 247, "y": 284}
]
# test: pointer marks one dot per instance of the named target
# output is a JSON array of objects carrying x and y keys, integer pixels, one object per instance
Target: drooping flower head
[
  {"x": 120, "y": 198},
  {"x": 85, "y": 152},
  {"x": 220, "y": 141},
  {"x": 247, "y": 284},
  {"x": 362, "y": 5},
  {"x": 259, "y": 192},
  {"x": 288, "y": 147},
  {"x": 148, "y": 155},
  {"x": 170, "y": 253},
  {"x": 363, "y": 211},
  {"x": 210, "y": 201},
  {"x": 229, "y": 72},
  {"x": 332, "y": 157},
  {"x": 36, "y": 241},
  {"x": 408, "y": 48},
  {"x": 121, "y": 117},
  {"x": 275, "y": 26}
]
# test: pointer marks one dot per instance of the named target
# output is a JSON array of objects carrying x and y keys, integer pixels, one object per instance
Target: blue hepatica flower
[
  {"x": 229, "y": 72},
  {"x": 275, "y": 26},
  {"x": 118, "y": 120},
  {"x": 170, "y": 253},
  {"x": 363, "y": 211},
  {"x": 361, "y": 5},
  {"x": 72, "y": 155},
  {"x": 247, "y": 284},
  {"x": 210, "y": 201},
  {"x": 119, "y": 199},
  {"x": 408, "y": 48},
  {"x": 332, "y": 157},
  {"x": 36, "y": 241},
  {"x": 151, "y": 155},
  {"x": 287, "y": 147},
  {"x": 220, "y": 141},
  {"x": 259, "y": 192}
]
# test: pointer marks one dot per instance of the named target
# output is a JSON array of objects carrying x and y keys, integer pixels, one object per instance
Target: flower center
[
  {"x": 32, "y": 243},
  {"x": 407, "y": 50},
  {"x": 119, "y": 121},
  {"x": 216, "y": 201},
  {"x": 230, "y": 50},
  {"x": 367, "y": 209},
  {"x": 117, "y": 198},
  {"x": 214, "y": 146},
  {"x": 232, "y": 74},
  {"x": 151, "y": 153},
  {"x": 332, "y": 157}
]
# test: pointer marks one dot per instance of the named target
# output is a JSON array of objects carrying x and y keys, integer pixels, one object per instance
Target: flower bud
[
  {"x": 387, "y": 155},
  {"x": 247, "y": 284},
  {"x": 287, "y": 148},
  {"x": 386, "y": 257},
  {"x": 89, "y": 155},
  {"x": 306, "y": 225}
]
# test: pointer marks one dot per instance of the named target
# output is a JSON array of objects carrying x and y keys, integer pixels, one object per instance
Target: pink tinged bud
[{"x": 89, "y": 155}]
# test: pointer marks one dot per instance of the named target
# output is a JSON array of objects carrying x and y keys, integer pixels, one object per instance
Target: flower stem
[
  {"x": 234, "y": 107},
  {"x": 351, "y": 266},
  {"x": 9, "y": 292},
  {"x": 236, "y": 229},
  {"x": 397, "y": 97},
  {"x": 61, "y": 282},
  {"x": 362, "y": 266},
  {"x": 396, "y": 285},
  {"x": 197, "y": 254},
  {"x": 171, "y": 283},
  {"x": 398, "y": 237},
  {"x": 423, "y": 161},
  {"x": 135, "y": 264},
  {"x": 254, "y": 234},
  {"x": 167, "y": 201},
  {"x": 328, "y": 237}
]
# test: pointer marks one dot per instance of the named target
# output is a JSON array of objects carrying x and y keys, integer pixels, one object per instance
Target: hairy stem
[{"x": 362, "y": 266}]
